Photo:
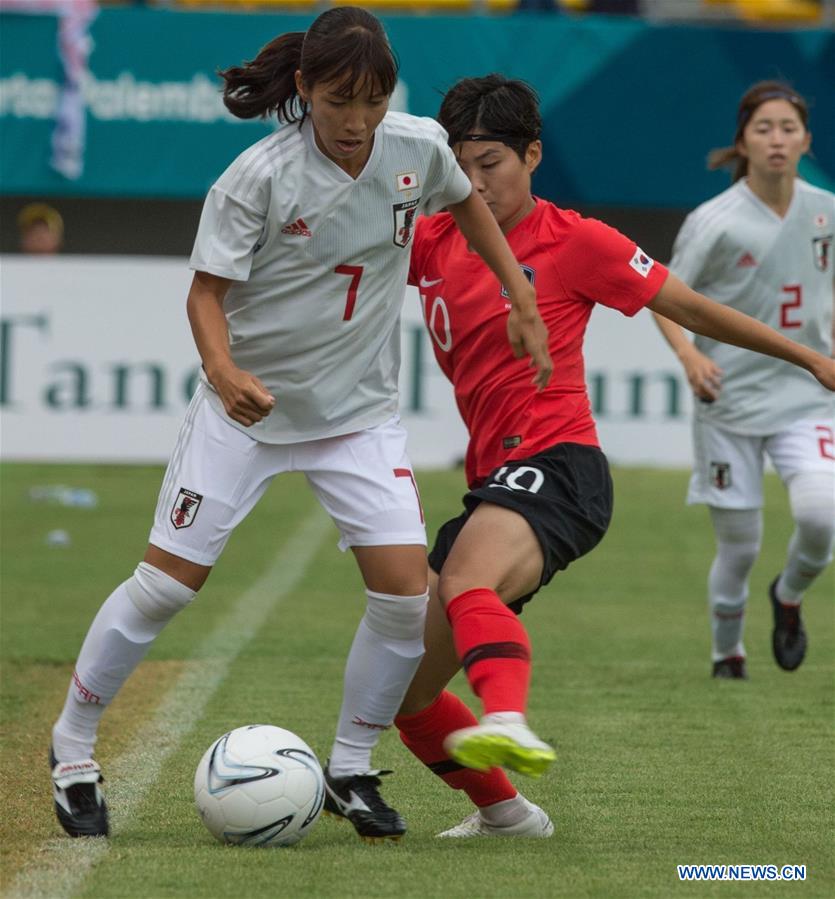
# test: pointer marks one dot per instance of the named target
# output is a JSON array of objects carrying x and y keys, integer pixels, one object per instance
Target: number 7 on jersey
[{"x": 355, "y": 271}]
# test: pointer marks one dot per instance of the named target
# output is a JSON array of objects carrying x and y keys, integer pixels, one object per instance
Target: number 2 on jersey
[
  {"x": 786, "y": 320},
  {"x": 355, "y": 271}
]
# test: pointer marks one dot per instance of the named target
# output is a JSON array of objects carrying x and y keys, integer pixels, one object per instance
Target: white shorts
[
  {"x": 728, "y": 473},
  {"x": 217, "y": 474}
]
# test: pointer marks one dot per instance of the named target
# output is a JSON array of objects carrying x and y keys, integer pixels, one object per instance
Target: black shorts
[{"x": 565, "y": 495}]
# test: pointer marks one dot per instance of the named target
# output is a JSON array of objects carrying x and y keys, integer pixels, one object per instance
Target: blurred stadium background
[
  {"x": 111, "y": 116},
  {"x": 111, "y": 119}
]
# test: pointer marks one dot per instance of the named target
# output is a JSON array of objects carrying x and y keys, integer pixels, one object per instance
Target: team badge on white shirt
[
  {"x": 404, "y": 221},
  {"x": 822, "y": 249},
  {"x": 185, "y": 508}
]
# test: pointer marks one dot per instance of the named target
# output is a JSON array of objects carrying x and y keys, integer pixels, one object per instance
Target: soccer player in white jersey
[
  {"x": 300, "y": 262},
  {"x": 764, "y": 246}
]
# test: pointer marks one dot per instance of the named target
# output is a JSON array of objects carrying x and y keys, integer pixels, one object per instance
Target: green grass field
[{"x": 658, "y": 764}]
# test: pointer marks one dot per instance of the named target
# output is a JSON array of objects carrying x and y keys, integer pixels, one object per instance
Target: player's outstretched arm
[
  {"x": 526, "y": 330},
  {"x": 677, "y": 302},
  {"x": 702, "y": 372},
  {"x": 244, "y": 397}
]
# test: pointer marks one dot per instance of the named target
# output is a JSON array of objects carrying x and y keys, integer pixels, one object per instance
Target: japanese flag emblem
[
  {"x": 407, "y": 181},
  {"x": 185, "y": 508}
]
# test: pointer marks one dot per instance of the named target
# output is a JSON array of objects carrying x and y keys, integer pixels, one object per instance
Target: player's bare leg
[
  {"x": 496, "y": 552},
  {"x": 429, "y": 714}
]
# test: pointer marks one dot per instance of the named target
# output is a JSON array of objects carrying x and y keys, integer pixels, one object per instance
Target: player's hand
[
  {"x": 244, "y": 396},
  {"x": 704, "y": 375},
  {"x": 528, "y": 334},
  {"x": 824, "y": 371}
]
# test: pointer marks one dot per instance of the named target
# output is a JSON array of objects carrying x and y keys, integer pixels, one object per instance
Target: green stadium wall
[{"x": 631, "y": 108}]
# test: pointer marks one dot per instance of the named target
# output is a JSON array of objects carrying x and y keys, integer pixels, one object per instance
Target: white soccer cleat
[
  {"x": 537, "y": 825},
  {"x": 493, "y": 744}
]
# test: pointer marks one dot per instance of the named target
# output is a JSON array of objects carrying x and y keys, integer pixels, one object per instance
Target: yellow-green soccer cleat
[{"x": 494, "y": 744}]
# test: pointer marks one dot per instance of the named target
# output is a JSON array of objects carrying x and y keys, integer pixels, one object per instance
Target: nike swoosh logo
[{"x": 425, "y": 283}]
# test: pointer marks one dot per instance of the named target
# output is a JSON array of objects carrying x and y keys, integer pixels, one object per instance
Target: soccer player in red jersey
[{"x": 540, "y": 491}]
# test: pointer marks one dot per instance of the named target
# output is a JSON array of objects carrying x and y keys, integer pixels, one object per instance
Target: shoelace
[{"x": 471, "y": 824}]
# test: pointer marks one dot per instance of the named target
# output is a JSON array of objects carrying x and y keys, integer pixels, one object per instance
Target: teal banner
[{"x": 630, "y": 108}]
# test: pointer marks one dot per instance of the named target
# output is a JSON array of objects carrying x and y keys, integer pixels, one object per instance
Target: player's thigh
[
  {"x": 807, "y": 446},
  {"x": 498, "y": 549},
  {"x": 727, "y": 468},
  {"x": 215, "y": 476},
  {"x": 366, "y": 484}
]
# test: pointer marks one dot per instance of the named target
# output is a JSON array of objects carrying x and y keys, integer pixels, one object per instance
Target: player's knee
[
  {"x": 737, "y": 558},
  {"x": 157, "y": 595},
  {"x": 400, "y": 618},
  {"x": 812, "y": 498},
  {"x": 742, "y": 526}
]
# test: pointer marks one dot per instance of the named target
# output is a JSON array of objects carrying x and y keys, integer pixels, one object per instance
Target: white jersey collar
[
  {"x": 743, "y": 186},
  {"x": 330, "y": 167}
]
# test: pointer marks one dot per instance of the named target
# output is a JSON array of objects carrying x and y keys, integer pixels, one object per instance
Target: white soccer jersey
[
  {"x": 320, "y": 261},
  {"x": 737, "y": 250}
]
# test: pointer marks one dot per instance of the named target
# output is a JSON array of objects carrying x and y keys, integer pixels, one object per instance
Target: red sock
[
  {"x": 424, "y": 735},
  {"x": 494, "y": 649}
]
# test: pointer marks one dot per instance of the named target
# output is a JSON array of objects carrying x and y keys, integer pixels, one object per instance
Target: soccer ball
[{"x": 259, "y": 785}]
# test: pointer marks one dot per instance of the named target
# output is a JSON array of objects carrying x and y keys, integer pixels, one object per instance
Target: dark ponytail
[
  {"x": 346, "y": 45},
  {"x": 266, "y": 84}
]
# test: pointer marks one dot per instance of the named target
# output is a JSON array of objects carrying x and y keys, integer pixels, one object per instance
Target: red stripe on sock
[
  {"x": 479, "y": 618},
  {"x": 424, "y": 734}
]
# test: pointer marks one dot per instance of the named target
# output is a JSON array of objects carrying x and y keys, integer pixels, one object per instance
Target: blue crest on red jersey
[{"x": 528, "y": 272}]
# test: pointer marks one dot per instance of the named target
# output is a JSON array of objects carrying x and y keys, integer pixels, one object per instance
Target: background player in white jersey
[
  {"x": 764, "y": 246},
  {"x": 300, "y": 265}
]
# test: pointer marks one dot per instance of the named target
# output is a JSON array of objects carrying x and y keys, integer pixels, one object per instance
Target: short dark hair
[
  {"x": 345, "y": 44},
  {"x": 495, "y": 104}
]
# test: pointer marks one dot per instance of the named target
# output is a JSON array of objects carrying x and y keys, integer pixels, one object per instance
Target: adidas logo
[
  {"x": 297, "y": 229},
  {"x": 746, "y": 260}
]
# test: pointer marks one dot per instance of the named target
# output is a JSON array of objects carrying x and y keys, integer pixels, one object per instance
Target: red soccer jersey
[{"x": 573, "y": 262}]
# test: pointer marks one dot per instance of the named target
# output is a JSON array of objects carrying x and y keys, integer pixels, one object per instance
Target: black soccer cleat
[
  {"x": 732, "y": 668},
  {"x": 79, "y": 802},
  {"x": 357, "y": 799},
  {"x": 788, "y": 639}
]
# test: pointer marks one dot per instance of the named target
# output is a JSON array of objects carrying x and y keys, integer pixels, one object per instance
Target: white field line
[{"x": 62, "y": 864}]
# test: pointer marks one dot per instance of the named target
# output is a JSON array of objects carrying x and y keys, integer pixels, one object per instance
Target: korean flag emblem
[{"x": 641, "y": 262}]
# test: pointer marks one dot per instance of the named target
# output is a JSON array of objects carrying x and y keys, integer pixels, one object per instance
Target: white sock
[
  {"x": 738, "y": 537},
  {"x": 507, "y": 812},
  {"x": 504, "y": 718},
  {"x": 812, "y": 499},
  {"x": 116, "y": 642},
  {"x": 384, "y": 657}
]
